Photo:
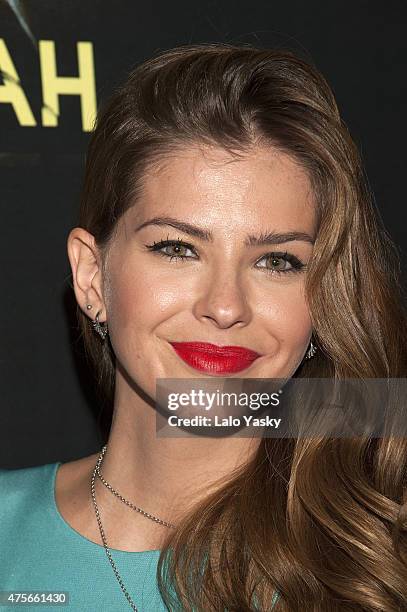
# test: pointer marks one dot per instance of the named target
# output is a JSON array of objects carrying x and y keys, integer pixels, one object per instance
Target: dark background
[{"x": 49, "y": 411}]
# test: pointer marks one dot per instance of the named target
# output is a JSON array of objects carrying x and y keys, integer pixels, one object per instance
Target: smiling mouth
[{"x": 207, "y": 357}]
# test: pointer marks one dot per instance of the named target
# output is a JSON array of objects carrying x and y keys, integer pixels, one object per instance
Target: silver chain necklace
[{"x": 102, "y": 533}]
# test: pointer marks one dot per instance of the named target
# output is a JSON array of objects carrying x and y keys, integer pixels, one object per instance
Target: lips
[{"x": 207, "y": 357}]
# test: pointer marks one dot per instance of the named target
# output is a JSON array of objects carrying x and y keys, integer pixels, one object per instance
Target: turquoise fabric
[{"x": 40, "y": 551}]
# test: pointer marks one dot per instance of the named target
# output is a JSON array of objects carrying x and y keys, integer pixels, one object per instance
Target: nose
[{"x": 223, "y": 300}]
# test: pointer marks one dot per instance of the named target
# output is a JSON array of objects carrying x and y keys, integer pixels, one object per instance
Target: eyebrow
[{"x": 264, "y": 238}]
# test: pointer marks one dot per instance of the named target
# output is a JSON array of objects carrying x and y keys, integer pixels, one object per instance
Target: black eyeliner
[{"x": 297, "y": 265}]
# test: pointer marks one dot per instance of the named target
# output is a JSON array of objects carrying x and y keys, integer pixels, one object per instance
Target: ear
[{"x": 86, "y": 264}]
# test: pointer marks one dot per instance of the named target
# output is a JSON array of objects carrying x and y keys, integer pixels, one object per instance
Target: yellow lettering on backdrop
[
  {"x": 53, "y": 85},
  {"x": 11, "y": 91}
]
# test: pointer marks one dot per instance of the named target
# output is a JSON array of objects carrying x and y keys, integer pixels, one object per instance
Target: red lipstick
[{"x": 207, "y": 357}]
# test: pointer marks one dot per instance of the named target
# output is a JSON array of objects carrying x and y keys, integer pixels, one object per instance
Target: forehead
[{"x": 209, "y": 185}]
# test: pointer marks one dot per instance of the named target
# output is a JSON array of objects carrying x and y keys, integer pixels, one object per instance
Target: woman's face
[{"x": 229, "y": 289}]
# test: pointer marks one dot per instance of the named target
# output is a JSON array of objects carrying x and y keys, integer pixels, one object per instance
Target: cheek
[
  {"x": 139, "y": 300},
  {"x": 287, "y": 315}
]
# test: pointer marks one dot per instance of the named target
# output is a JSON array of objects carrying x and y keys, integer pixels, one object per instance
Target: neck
[{"x": 164, "y": 476}]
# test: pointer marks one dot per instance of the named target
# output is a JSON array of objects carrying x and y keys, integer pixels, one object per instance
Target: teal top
[{"x": 41, "y": 552}]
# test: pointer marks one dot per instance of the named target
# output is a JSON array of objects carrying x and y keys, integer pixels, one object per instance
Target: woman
[{"x": 197, "y": 164}]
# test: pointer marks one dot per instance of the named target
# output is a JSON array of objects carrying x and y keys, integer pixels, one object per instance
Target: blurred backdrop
[{"x": 58, "y": 61}]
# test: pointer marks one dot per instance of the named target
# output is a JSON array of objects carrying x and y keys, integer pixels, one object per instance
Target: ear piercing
[
  {"x": 311, "y": 351},
  {"x": 100, "y": 328}
]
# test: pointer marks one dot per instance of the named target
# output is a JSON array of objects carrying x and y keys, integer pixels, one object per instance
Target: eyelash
[{"x": 297, "y": 265}]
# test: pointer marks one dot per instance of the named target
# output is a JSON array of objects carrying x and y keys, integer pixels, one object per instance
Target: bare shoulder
[
  {"x": 78, "y": 467},
  {"x": 72, "y": 493},
  {"x": 72, "y": 473}
]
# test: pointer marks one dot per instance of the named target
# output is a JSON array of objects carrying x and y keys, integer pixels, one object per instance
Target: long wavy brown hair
[{"x": 321, "y": 522}]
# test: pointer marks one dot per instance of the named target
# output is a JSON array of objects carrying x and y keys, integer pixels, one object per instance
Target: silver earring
[
  {"x": 311, "y": 351},
  {"x": 100, "y": 329},
  {"x": 89, "y": 306}
]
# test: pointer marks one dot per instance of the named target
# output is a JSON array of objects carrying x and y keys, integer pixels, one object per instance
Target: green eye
[
  {"x": 276, "y": 259},
  {"x": 179, "y": 249},
  {"x": 274, "y": 262}
]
